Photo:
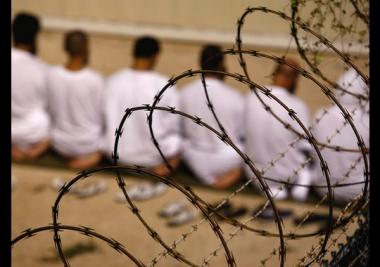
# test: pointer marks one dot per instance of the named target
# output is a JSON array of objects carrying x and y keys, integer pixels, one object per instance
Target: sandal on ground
[
  {"x": 159, "y": 188},
  {"x": 313, "y": 218},
  {"x": 91, "y": 189},
  {"x": 143, "y": 191},
  {"x": 225, "y": 206},
  {"x": 58, "y": 183},
  {"x": 173, "y": 209},
  {"x": 229, "y": 211},
  {"x": 268, "y": 213},
  {"x": 181, "y": 218},
  {"x": 234, "y": 212}
]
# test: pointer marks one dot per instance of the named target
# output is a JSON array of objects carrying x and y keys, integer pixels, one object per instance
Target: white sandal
[
  {"x": 58, "y": 183},
  {"x": 92, "y": 189},
  {"x": 143, "y": 191},
  {"x": 183, "y": 217},
  {"x": 137, "y": 192},
  {"x": 160, "y": 188},
  {"x": 172, "y": 209}
]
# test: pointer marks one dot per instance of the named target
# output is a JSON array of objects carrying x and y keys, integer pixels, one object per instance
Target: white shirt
[
  {"x": 204, "y": 152},
  {"x": 30, "y": 120},
  {"x": 130, "y": 88},
  {"x": 266, "y": 137},
  {"x": 75, "y": 105},
  {"x": 339, "y": 163}
]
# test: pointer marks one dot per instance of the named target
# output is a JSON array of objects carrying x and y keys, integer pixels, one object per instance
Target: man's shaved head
[
  {"x": 284, "y": 66},
  {"x": 286, "y": 76},
  {"x": 76, "y": 43}
]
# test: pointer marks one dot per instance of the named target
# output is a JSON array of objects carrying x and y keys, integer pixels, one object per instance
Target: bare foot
[
  {"x": 228, "y": 179},
  {"x": 162, "y": 170},
  {"x": 18, "y": 154},
  {"x": 85, "y": 162},
  {"x": 38, "y": 149}
]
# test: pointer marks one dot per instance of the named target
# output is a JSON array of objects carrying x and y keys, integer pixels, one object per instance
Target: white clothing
[
  {"x": 353, "y": 83},
  {"x": 339, "y": 163},
  {"x": 203, "y": 151},
  {"x": 30, "y": 120},
  {"x": 267, "y": 138},
  {"x": 75, "y": 100},
  {"x": 130, "y": 88}
]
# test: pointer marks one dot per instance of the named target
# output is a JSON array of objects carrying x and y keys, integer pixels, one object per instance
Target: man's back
[
  {"x": 228, "y": 105},
  {"x": 28, "y": 82},
  {"x": 129, "y": 88},
  {"x": 213, "y": 161},
  {"x": 267, "y": 138},
  {"x": 30, "y": 120},
  {"x": 340, "y": 163},
  {"x": 75, "y": 100}
]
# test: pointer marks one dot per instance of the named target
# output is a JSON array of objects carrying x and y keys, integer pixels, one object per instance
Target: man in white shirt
[
  {"x": 30, "y": 120},
  {"x": 213, "y": 161},
  {"x": 136, "y": 86},
  {"x": 340, "y": 163},
  {"x": 75, "y": 98},
  {"x": 267, "y": 138}
]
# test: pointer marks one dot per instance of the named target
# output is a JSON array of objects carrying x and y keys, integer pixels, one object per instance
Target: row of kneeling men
[{"x": 74, "y": 111}]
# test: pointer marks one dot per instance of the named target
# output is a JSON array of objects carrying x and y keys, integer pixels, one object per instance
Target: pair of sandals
[
  {"x": 268, "y": 214},
  {"x": 142, "y": 191},
  {"x": 178, "y": 213},
  {"x": 87, "y": 190}
]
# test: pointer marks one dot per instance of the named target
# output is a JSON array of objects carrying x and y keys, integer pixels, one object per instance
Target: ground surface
[{"x": 33, "y": 198}]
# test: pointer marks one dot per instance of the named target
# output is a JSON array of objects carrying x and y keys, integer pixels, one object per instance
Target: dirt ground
[{"x": 34, "y": 196}]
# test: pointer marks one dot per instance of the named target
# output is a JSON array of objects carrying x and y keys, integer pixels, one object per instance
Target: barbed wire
[
  {"x": 67, "y": 187},
  {"x": 292, "y": 234},
  {"x": 337, "y": 224},
  {"x": 346, "y": 59},
  {"x": 247, "y": 160},
  {"x": 210, "y": 211},
  {"x": 313, "y": 65},
  {"x": 173, "y": 81},
  {"x": 194, "y": 227},
  {"x": 312, "y": 254},
  {"x": 87, "y": 231}
]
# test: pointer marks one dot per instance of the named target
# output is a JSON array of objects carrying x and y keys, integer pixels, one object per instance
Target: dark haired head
[
  {"x": 211, "y": 57},
  {"x": 25, "y": 27},
  {"x": 76, "y": 43},
  {"x": 146, "y": 47}
]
